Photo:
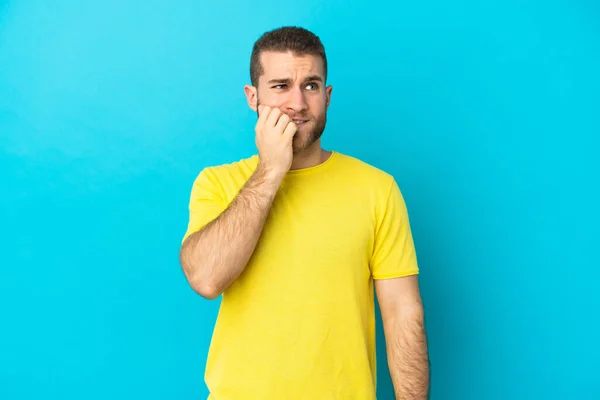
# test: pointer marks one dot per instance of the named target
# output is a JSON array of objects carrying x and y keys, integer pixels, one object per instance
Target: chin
[
  {"x": 306, "y": 136},
  {"x": 300, "y": 145}
]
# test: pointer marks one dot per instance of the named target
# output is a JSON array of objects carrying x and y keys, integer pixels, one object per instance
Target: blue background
[{"x": 487, "y": 113}]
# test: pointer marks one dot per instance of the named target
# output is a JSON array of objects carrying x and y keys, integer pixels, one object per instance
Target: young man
[{"x": 297, "y": 240}]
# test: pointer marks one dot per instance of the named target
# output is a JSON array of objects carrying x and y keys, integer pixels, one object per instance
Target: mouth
[{"x": 300, "y": 121}]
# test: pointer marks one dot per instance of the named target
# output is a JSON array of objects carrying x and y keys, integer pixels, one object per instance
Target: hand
[{"x": 274, "y": 135}]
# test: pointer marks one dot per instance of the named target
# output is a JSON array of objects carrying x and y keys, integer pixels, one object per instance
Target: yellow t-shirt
[{"x": 299, "y": 322}]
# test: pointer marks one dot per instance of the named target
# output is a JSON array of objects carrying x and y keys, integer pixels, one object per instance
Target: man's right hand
[{"x": 274, "y": 135}]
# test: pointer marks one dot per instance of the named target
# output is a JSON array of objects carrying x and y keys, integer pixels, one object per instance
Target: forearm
[
  {"x": 216, "y": 255},
  {"x": 408, "y": 356}
]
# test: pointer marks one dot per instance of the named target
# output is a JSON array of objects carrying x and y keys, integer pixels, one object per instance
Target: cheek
[
  {"x": 275, "y": 99},
  {"x": 318, "y": 102},
  {"x": 317, "y": 107},
  {"x": 268, "y": 99}
]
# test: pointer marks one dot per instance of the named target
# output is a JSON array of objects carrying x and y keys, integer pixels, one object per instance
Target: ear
[
  {"x": 251, "y": 96},
  {"x": 328, "y": 94}
]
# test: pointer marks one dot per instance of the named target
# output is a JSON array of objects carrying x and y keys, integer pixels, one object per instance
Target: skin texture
[
  {"x": 215, "y": 256},
  {"x": 292, "y": 87},
  {"x": 295, "y": 84},
  {"x": 406, "y": 342}
]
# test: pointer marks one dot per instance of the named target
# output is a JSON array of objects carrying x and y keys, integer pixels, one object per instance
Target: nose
[{"x": 296, "y": 102}]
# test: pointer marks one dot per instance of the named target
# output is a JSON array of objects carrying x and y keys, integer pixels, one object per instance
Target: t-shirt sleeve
[
  {"x": 206, "y": 202},
  {"x": 394, "y": 252}
]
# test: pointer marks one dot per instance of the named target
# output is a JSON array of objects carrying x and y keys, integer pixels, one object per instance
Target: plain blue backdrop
[{"x": 487, "y": 113}]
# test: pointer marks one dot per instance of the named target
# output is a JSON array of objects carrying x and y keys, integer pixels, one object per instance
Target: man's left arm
[{"x": 406, "y": 342}]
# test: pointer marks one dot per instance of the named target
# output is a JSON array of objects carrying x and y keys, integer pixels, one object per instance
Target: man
[{"x": 297, "y": 239}]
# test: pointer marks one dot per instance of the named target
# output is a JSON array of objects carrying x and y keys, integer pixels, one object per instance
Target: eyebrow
[{"x": 311, "y": 78}]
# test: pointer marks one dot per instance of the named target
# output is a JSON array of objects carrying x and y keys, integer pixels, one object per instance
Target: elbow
[
  {"x": 197, "y": 281},
  {"x": 202, "y": 286},
  {"x": 206, "y": 290}
]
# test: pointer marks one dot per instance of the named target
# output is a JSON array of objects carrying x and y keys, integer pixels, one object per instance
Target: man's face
[{"x": 296, "y": 85}]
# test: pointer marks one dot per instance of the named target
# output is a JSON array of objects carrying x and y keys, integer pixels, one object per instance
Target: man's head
[{"x": 288, "y": 70}]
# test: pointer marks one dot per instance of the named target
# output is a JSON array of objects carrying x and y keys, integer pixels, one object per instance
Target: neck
[{"x": 314, "y": 155}]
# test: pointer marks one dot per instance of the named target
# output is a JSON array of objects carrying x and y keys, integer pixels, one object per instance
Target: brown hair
[{"x": 288, "y": 38}]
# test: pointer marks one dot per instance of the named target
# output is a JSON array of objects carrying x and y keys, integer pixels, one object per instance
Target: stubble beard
[{"x": 312, "y": 137}]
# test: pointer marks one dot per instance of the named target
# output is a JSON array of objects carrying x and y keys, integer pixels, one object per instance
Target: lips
[{"x": 300, "y": 121}]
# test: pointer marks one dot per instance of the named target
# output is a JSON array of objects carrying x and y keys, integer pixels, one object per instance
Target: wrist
[{"x": 269, "y": 176}]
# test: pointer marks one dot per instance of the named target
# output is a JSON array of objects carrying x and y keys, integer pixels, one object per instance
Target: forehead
[{"x": 289, "y": 65}]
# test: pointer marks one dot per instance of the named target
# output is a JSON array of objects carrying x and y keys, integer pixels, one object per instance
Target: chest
[{"x": 318, "y": 235}]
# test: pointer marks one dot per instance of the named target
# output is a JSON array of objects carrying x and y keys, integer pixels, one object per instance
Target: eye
[
  {"x": 312, "y": 86},
  {"x": 282, "y": 86}
]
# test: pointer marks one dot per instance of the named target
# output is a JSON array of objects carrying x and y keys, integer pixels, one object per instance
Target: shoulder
[
  {"x": 220, "y": 177},
  {"x": 382, "y": 192},
  {"x": 366, "y": 175},
  {"x": 239, "y": 169},
  {"x": 243, "y": 165}
]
